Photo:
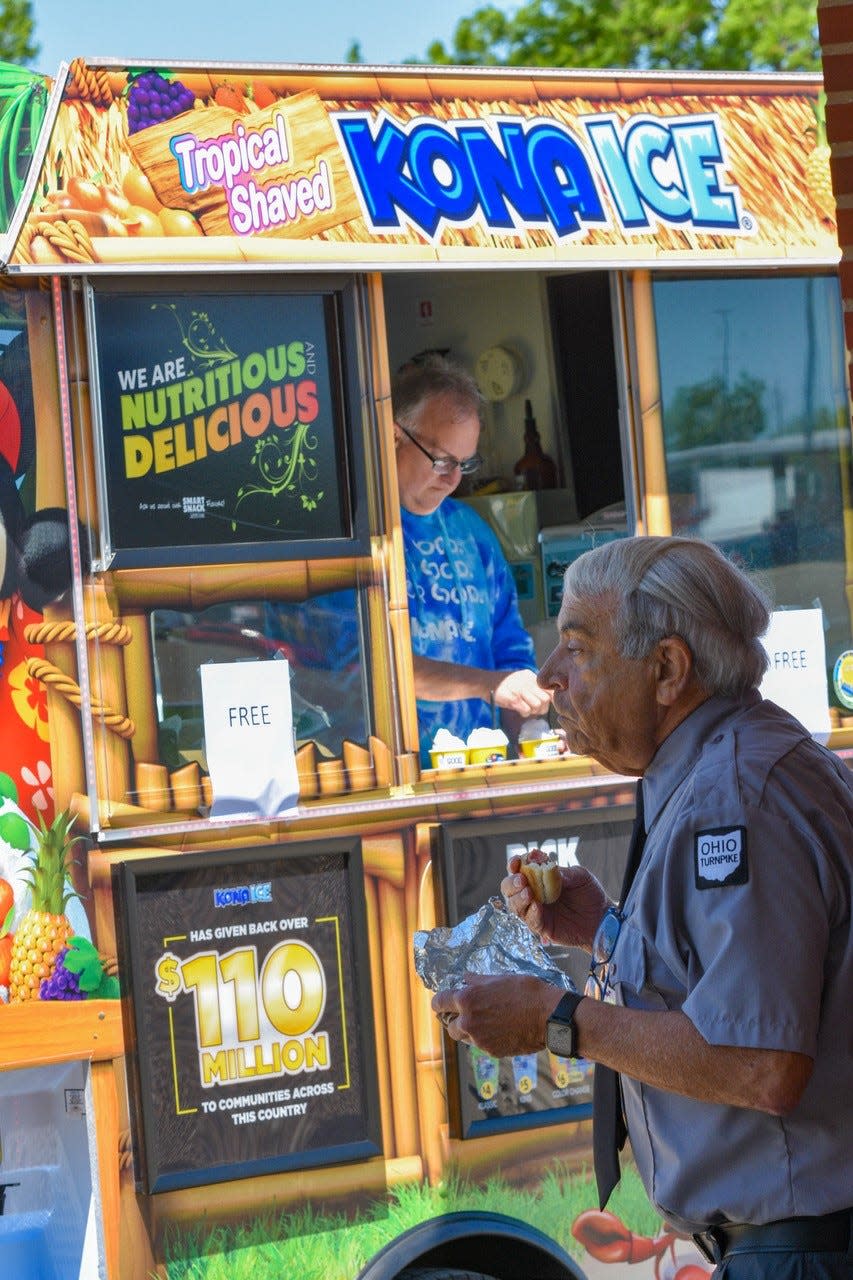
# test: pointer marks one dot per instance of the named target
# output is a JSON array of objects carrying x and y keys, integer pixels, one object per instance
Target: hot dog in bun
[{"x": 542, "y": 873}]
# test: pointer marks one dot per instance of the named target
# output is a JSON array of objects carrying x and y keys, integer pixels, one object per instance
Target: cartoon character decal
[
  {"x": 606, "y": 1239},
  {"x": 35, "y": 569}
]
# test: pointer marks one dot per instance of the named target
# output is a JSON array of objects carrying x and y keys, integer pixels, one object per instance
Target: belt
[{"x": 830, "y": 1233}]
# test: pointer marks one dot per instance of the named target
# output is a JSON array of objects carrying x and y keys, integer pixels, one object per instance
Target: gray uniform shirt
[{"x": 740, "y": 917}]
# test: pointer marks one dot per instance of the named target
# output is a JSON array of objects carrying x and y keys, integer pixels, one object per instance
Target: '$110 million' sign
[{"x": 251, "y": 1024}]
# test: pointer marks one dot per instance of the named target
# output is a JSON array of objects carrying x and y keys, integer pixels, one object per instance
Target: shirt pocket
[{"x": 632, "y": 971}]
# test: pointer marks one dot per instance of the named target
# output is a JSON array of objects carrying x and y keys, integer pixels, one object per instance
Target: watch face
[{"x": 560, "y": 1038}]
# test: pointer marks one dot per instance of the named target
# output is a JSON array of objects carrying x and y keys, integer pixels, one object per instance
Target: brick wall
[{"x": 835, "y": 24}]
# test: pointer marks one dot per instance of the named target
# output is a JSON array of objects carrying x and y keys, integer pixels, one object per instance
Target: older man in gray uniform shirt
[{"x": 727, "y": 971}]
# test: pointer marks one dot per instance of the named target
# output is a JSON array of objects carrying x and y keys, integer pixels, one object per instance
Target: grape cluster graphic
[{"x": 151, "y": 98}]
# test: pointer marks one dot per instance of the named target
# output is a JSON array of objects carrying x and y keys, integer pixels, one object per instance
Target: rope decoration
[
  {"x": 66, "y": 632},
  {"x": 125, "y": 1150},
  {"x": 57, "y": 680},
  {"x": 89, "y": 83},
  {"x": 69, "y": 239},
  {"x": 44, "y": 242}
]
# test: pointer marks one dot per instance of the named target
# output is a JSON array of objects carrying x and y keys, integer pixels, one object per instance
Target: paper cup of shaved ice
[
  {"x": 448, "y": 751},
  {"x": 537, "y": 740},
  {"x": 487, "y": 746}
]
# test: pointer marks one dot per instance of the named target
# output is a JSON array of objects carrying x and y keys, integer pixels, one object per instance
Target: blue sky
[{"x": 240, "y": 31}]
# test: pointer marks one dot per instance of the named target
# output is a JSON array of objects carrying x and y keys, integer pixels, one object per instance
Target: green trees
[
  {"x": 713, "y": 35},
  {"x": 704, "y": 413},
  {"x": 16, "y": 32}
]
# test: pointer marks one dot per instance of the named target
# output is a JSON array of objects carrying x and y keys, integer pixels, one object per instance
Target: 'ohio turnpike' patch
[{"x": 720, "y": 857}]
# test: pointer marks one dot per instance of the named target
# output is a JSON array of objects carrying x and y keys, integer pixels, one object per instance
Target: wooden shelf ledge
[{"x": 46, "y": 1031}]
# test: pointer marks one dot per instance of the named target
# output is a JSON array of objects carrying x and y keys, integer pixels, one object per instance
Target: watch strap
[{"x": 565, "y": 1012}]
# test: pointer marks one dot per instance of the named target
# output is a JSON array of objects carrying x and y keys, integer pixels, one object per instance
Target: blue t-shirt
[{"x": 463, "y": 608}]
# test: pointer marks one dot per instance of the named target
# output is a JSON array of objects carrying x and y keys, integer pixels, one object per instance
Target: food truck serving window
[{"x": 226, "y": 421}]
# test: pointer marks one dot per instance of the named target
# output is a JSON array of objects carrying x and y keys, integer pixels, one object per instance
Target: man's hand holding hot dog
[{"x": 572, "y": 920}]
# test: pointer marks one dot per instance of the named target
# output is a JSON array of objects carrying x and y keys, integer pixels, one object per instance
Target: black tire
[{"x": 441, "y": 1273}]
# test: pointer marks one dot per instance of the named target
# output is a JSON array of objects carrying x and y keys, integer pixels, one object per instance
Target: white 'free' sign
[
  {"x": 796, "y": 677},
  {"x": 248, "y": 731}
]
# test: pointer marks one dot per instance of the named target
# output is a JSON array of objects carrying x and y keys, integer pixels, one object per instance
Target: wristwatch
[{"x": 561, "y": 1034}]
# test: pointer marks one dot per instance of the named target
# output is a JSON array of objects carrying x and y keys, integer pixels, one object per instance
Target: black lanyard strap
[{"x": 608, "y": 1121}]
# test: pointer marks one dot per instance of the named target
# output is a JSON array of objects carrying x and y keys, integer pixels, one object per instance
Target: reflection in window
[
  {"x": 756, "y": 432},
  {"x": 320, "y": 638}
]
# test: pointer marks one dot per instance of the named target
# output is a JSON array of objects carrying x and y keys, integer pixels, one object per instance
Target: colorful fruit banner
[
  {"x": 251, "y": 1004},
  {"x": 171, "y": 166},
  {"x": 222, "y": 424}
]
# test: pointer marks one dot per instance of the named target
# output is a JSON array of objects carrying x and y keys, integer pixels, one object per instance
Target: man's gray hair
[
  {"x": 685, "y": 587},
  {"x": 434, "y": 375}
]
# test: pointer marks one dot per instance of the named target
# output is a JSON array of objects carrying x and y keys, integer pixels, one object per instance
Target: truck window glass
[
  {"x": 319, "y": 637},
  {"x": 755, "y": 431}
]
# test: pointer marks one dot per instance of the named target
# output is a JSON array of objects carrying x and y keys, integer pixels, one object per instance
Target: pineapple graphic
[
  {"x": 818, "y": 176},
  {"x": 45, "y": 929}
]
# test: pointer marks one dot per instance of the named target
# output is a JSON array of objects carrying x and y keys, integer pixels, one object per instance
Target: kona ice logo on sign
[{"x": 517, "y": 173}]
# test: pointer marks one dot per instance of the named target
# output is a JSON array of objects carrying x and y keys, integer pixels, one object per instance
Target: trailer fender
[{"x": 477, "y": 1243}]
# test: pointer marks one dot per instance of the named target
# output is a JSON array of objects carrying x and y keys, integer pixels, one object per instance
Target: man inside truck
[
  {"x": 473, "y": 659},
  {"x": 720, "y": 981}
]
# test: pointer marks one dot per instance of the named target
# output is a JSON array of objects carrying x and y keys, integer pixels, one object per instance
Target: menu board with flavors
[
  {"x": 493, "y": 1094},
  {"x": 251, "y": 1014}
]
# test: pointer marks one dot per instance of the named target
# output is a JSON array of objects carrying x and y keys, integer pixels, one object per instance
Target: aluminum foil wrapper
[{"x": 492, "y": 940}]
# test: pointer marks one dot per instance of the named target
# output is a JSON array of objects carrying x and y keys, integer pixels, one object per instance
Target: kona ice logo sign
[{"x": 517, "y": 173}]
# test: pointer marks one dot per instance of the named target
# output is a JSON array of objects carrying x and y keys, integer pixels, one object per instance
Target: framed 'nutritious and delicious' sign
[
  {"x": 250, "y": 1012},
  {"x": 225, "y": 422}
]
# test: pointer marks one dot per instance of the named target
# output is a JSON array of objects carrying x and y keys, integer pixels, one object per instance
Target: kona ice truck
[{"x": 219, "y": 849}]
